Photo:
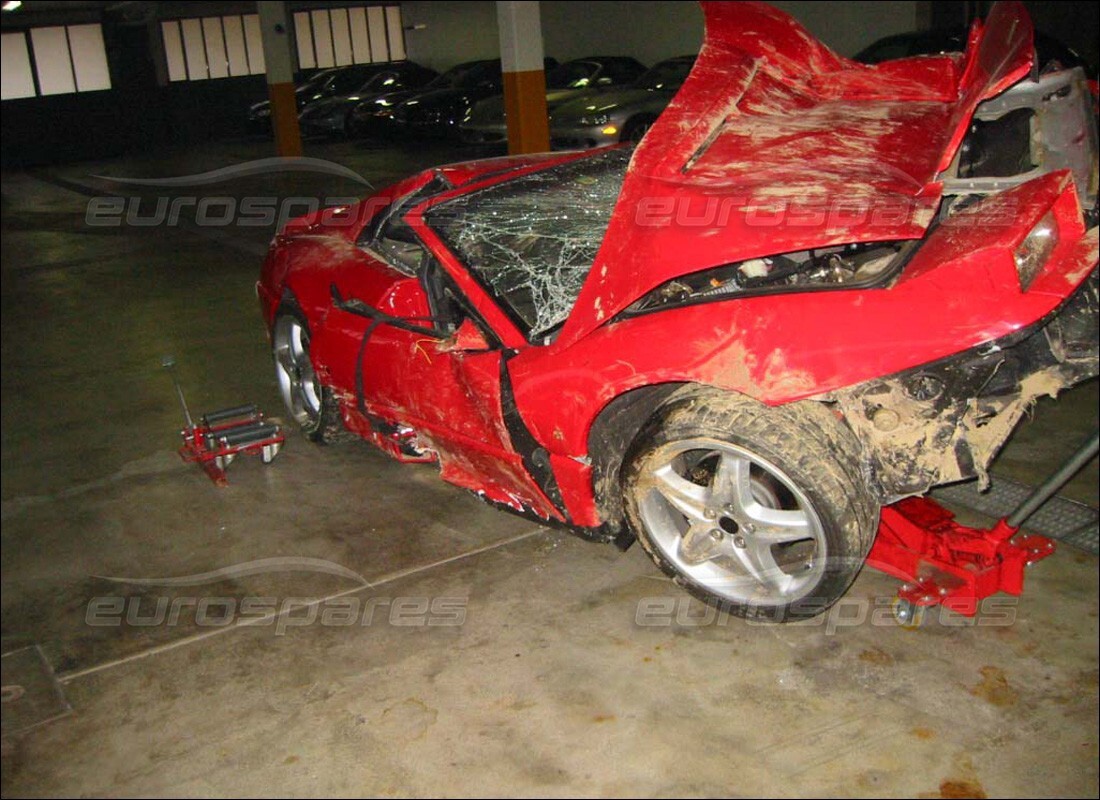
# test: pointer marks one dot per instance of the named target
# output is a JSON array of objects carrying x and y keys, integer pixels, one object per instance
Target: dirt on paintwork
[
  {"x": 995, "y": 688},
  {"x": 1088, "y": 259},
  {"x": 734, "y": 367},
  {"x": 915, "y": 444},
  {"x": 880, "y": 658},
  {"x": 960, "y": 789}
]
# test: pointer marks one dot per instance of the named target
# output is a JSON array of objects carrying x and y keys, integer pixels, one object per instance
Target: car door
[{"x": 429, "y": 376}]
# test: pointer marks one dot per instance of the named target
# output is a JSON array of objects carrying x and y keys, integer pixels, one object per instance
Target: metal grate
[{"x": 1067, "y": 521}]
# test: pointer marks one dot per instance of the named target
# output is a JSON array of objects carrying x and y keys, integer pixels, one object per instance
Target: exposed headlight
[
  {"x": 595, "y": 119},
  {"x": 847, "y": 266},
  {"x": 1034, "y": 251}
]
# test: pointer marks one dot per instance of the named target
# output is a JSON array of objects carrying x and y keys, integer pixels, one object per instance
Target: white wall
[
  {"x": 649, "y": 31},
  {"x": 454, "y": 31},
  {"x": 849, "y": 26}
]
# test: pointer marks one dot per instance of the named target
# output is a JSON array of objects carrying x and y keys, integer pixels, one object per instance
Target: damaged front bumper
[{"x": 945, "y": 421}]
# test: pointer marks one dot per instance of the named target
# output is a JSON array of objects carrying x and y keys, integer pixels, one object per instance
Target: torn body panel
[{"x": 945, "y": 421}]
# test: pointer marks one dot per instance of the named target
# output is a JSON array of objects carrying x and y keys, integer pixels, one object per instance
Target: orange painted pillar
[
  {"x": 524, "y": 79},
  {"x": 279, "y": 64}
]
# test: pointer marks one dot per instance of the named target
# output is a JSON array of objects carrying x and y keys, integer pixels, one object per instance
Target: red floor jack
[
  {"x": 225, "y": 434},
  {"x": 944, "y": 563}
]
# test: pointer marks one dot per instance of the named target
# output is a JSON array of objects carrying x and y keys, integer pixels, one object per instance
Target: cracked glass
[{"x": 531, "y": 241}]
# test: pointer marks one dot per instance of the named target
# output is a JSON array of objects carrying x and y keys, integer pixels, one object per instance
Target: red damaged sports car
[{"x": 815, "y": 287}]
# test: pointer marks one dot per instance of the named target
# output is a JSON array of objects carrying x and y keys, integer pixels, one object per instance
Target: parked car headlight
[
  {"x": 1034, "y": 251},
  {"x": 844, "y": 266},
  {"x": 595, "y": 119}
]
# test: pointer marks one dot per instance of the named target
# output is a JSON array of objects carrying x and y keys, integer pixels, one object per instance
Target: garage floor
[{"x": 576, "y": 670}]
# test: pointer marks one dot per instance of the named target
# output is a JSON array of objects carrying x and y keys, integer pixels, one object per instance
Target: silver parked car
[{"x": 622, "y": 115}]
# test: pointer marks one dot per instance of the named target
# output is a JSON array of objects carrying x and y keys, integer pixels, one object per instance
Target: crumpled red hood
[{"x": 776, "y": 144}]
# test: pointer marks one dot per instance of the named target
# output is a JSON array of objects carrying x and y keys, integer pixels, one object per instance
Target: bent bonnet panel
[{"x": 770, "y": 122}]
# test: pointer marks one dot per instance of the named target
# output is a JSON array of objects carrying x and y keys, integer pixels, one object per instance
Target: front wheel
[
  {"x": 308, "y": 401},
  {"x": 759, "y": 511}
]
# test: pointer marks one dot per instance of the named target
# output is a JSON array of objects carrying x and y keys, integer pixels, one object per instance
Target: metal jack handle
[
  {"x": 169, "y": 363},
  {"x": 1084, "y": 455}
]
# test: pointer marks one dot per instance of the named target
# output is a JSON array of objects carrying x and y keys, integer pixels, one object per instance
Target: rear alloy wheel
[
  {"x": 752, "y": 509},
  {"x": 308, "y": 401}
]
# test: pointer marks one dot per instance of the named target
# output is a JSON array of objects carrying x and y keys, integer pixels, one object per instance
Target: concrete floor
[{"x": 577, "y": 670}]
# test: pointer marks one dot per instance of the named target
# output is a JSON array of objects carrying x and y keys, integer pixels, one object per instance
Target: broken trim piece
[
  {"x": 535, "y": 457},
  {"x": 945, "y": 421}
]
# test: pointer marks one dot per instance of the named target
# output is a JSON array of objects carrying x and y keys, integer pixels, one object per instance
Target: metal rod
[
  {"x": 1084, "y": 455},
  {"x": 169, "y": 363}
]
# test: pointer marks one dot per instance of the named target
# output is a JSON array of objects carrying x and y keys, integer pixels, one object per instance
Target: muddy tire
[
  {"x": 310, "y": 403},
  {"x": 758, "y": 511}
]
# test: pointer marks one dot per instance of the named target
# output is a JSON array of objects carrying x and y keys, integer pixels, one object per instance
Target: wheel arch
[
  {"x": 619, "y": 423},
  {"x": 612, "y": 433}
]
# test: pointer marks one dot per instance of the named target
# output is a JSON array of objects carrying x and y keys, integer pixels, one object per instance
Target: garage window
[
  {"x": 60, "y": 59},
  {"x": 338, "y": 37},
  {"x": 201, "y": 48}
]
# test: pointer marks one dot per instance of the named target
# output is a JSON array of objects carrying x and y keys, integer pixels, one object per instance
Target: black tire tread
[
  {"x": 837, "y": 485},
  {"x": 329, "y": 426}
]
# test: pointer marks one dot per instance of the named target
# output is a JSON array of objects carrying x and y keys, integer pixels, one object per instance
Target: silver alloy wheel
[
  {"x": 731, "y": 522},
  {"x": 297, "y": 381}
]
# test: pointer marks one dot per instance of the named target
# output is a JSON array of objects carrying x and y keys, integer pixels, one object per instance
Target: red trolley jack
[
  {"x": 223, "y": 435},
  {"x": 944, "y": 563}
]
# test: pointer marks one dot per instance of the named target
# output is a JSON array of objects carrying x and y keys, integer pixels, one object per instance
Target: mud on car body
[{"x": 814, "y": 287}]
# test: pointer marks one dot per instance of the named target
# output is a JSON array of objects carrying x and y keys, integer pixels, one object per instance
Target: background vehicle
[
  {"x": 326, "y": 83},
  {"x": 438, "y": 111},
  {"x": 259, "y": 114},
  {"x": 621, "y": 115},
  {"x": 582, "y": 77},
  {"x": 332, "y": 115},
  {"x": 1053, "y": 55},
  {"x": 376, "y": 115}
]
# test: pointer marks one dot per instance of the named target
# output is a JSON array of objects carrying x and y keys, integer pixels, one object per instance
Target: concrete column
[
  {"x": 524, "y": 78},
  {"x": 279, "y": 59}
]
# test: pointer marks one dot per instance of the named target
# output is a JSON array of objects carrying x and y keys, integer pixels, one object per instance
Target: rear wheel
[
  {"x": 308, "y": 401},
  {"x": 759, "y": 511}
]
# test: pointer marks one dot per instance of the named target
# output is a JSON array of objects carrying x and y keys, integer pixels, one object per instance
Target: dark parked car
[
  {"x": 376, "y": 114},
  {"x": 1053, "y": 55},
  {"x": 438, "y": 111},
  {"x": 622, "y": 115},
  {"x": 582, "y": 77},
  {"x": 326, "y": 83},
  {"x": 259, "y": 114},
  {"x": 332, "y": 115}
]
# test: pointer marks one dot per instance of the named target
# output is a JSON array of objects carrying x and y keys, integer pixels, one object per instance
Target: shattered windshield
[{"x": 531, "y": 241}]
